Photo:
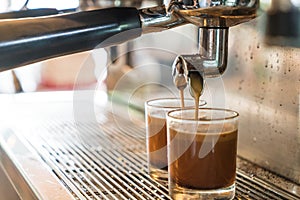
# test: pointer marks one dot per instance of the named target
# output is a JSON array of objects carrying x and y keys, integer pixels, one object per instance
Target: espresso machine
[{"x": 247, "y": 53}]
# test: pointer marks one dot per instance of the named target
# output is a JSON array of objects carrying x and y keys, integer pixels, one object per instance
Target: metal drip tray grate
[{"x": 108, "y": 161}]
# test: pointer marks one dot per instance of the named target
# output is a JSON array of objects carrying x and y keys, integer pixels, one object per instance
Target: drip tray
[{"x": 107, "y": 160}]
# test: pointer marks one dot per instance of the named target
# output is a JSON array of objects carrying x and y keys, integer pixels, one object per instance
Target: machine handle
[{"x": 29, "y": 40}]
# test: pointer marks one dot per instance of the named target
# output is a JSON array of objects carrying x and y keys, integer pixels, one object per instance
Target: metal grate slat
[
  {"x": 249, "y": 191},
  {"x": 91, "y": 175},
  {"x": 73, "y": 176},
  {"x": 268, "y": 190},
  {"x": 101, "y": 170},
  {"x": 141, "y": 185},
  {"x": 111, "y": 170},
  {"x": 140, "y": 166}
]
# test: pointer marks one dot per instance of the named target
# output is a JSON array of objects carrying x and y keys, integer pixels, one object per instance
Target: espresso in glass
[
  {"x": 156, "y": 133},
  {"x": 202, "y": 153},
  {"x": 157, "y": 140}
]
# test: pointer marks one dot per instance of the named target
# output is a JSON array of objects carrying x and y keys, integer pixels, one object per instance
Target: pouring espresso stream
[{"x": 196, "y": 88}]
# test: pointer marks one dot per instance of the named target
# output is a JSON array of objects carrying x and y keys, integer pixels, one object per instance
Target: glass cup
[
  {"x": 202, "y": 153},
  {"x": 156, "y": 133}
]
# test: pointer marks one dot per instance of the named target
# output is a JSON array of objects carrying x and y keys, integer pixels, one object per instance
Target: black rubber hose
[{"x": 26, "y": 41}]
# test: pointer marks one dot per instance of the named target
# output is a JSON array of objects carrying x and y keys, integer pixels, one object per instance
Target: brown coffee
[
  {"x": 196, "y": 87},
  {"x": 215, "y": 170},
  {"x": 157, "y": 139}
]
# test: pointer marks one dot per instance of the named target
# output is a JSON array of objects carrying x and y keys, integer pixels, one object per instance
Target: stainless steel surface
[
  {"x": 214, "y": 13},
  {"x": 262, "y": 84},
  {"x": 213, "y": 51},
  {"x": 211, "y": 60},
  {"x": 209, "y": 63},
  {"x": 102, "y": 160},
  {"x": 208, "y": 14},
  {"x": 156, "y": 19},
  {"x": 29, "y": 176}
]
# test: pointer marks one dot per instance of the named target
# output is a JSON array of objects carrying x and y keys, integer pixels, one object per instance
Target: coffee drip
[{"x": 196, "y": 88}]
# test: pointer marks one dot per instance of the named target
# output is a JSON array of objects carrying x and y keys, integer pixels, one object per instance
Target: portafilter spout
[
  {"x": 213, "y": 19},
  {"x": 25, "y": 41}
]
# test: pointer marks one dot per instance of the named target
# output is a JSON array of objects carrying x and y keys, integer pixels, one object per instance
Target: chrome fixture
[
  {"x": 213, "y": 19},
  {"x": 211, "y": 60}
]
